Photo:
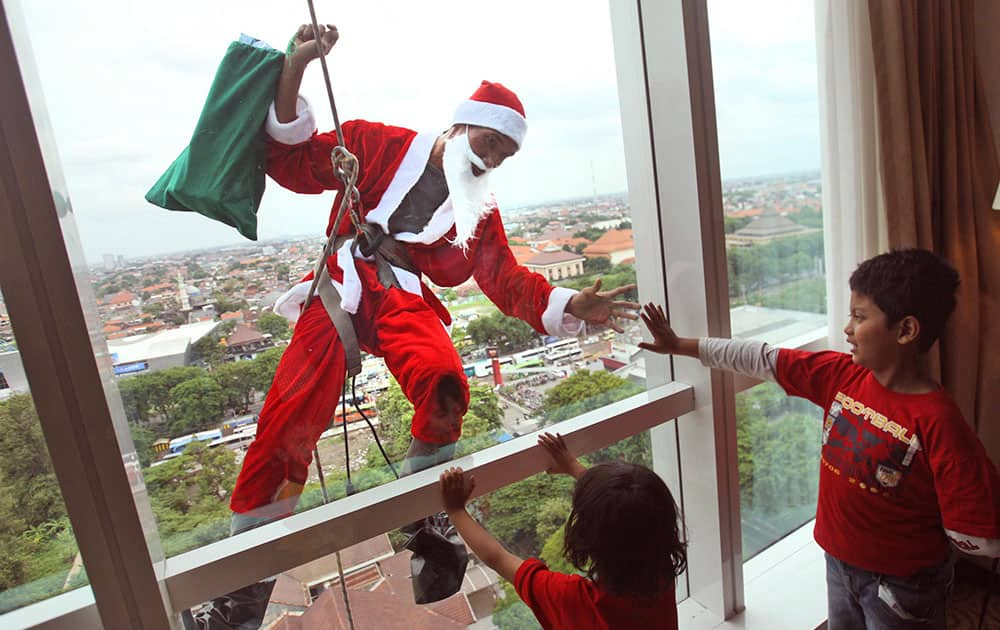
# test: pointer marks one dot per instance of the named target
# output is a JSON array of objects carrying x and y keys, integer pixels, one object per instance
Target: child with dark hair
[
  {"x": 901, "y": 473},
  {"x": 623, "y": 533}
]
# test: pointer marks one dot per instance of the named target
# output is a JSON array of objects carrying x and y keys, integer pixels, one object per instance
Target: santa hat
[{"x": 495, "y": 107}]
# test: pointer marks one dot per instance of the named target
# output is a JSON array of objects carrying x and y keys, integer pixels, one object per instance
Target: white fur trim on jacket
[
  {"x": 507, "y": 121},
  {"x": 556, "y": 320},
  {"x": 293, "y": 132},
  {"x": 289, "y": 305},
  {"x": 407, "y": 173}
]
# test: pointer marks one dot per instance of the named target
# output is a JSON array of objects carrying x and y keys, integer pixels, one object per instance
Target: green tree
[
  {"x": 281, "y": 271},
  {"x": 208, "y": 350},
  {"x": 395, "y": 414},
  {"x": 32, "y": 513},
  {"x": 496, "y": 329},
  {"x": 196, "y": 404},
  {"x": 160, "y": 383},
  {"x": 552, "y": 551},
  {"x": 135, "y": 392},
  {"x": 597, "y": 264},
  {"x": 591, "y": 234},
  {"x": 585, "y": 391},
  {"x": 483, "y": 403},
  {"x": 25, "y": 468},
  {"x": 509, "y": 520},
  {"x": 189, "y": 496},
  {"x": 274, "y": 325},
  {"x": 225, "y": 304},
  {"x": 237, "y": 381},
  {"x": 264, "y": 366},
  {"x": 143, "y": 438},
  {"x": 461, "y": 340},
  {"x": 516, "y": 616},
  {"x": 552, "y": 516}
]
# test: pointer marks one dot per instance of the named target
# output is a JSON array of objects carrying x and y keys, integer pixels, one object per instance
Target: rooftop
[{"x": 163, "y": 343}]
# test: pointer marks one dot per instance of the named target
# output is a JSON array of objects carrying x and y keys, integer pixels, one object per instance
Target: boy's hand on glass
[
  {"x": 562, "y": 462},
  {"x": 665, "y": 340},
  {"x": 456, "y": 487}
]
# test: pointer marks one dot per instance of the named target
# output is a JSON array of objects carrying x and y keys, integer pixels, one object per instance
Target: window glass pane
[
  {"x": 764, "y": 66},
  {"x": 186, "y": 303},
  {"x": 778, "y": 441},
  {"x": 40, "y": 557},
  {"x": 527, "y": 517}
]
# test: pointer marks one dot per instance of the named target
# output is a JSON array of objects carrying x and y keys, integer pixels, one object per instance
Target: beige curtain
[{"x": 940, "y": 172}]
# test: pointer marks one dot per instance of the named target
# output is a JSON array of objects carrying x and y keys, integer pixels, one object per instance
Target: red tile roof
[
  {"x": 609, "y": 242},
  {"x": 122, "y": 297},
  {"x": 244, "y": 333},
  {"x": 380, "y": 609},
  {"x": 552, "y": 258},
  {"x": 522, "y": 253}
]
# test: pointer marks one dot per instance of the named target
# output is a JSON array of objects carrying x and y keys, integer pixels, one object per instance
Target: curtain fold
[{"x": 939, "y": 174}]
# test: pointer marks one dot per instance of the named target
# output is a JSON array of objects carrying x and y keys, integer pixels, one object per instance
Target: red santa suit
[{"x": 406, "y": 326}]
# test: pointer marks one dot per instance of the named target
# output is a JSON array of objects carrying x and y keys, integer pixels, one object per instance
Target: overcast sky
[{"x": 124, "y": 82}]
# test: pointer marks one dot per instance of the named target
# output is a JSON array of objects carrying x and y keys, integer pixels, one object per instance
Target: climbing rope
[{"x": 344, "y": 163}]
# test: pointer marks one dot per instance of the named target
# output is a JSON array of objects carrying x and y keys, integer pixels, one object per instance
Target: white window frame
[{"x": 667, "y": 105}]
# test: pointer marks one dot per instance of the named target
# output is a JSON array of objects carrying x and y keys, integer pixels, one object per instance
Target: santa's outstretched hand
[{"x": 599, "y": 307}]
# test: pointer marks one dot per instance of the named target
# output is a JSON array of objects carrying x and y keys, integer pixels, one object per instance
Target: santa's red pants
[{"x": 307, "y": 386}]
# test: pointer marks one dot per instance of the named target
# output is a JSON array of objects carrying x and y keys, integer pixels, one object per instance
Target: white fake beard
[{"x": 469, "y": 194}]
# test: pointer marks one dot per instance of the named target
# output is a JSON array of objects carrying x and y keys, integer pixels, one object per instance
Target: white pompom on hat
[{"x": 495, "y": 107}]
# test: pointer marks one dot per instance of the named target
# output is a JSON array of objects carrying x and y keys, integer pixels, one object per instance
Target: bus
[
  {"x": 483, "y": 369},
  {"x": 563, "y": 355},
  {"x": 562, "y": 350},
  {"x": 354, "y": 414},
  {"x": 529, "y": 355},
  {"x": 562, "y": 344},
  {"x": 235, "y": 441},
  {"x": 177, "y": 445}
]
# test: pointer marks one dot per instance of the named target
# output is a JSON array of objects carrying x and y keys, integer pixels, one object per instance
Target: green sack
[{"x": 221, "y": 172}]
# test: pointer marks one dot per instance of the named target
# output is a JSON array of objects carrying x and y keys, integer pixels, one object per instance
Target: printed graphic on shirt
[{"x": 866, "y": 447}]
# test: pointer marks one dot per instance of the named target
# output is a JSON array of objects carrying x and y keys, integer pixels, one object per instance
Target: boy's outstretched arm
[
  {"x": 455, "y": 490},
  {"x": 756, "y": 359}
]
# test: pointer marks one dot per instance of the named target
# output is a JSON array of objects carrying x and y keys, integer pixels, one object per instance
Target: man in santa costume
[{"x": 427, "y": 195}]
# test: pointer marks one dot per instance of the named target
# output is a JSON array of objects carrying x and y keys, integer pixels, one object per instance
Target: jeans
[{"x": 859, "y": 599}]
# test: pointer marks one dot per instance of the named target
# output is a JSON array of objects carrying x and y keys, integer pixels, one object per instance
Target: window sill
[
  {"x": 222, "y": 566},
  {"x": 785, "y": 589}
]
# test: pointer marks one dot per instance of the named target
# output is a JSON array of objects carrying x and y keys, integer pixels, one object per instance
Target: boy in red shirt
[
  {"x": 623, "y": 532},
  {"x": 901, "y": 472}
]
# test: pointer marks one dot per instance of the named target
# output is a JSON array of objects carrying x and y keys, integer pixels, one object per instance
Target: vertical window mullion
[{"x": 40, "y": 264}]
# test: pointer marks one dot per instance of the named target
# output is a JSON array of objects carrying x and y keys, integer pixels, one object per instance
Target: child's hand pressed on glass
[
  {"x": 562, "y": 461},
  {"x": 456, "y": 487},
  {"x": 665, "y": 340}
]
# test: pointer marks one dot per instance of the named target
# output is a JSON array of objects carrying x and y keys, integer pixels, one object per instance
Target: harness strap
[{"x": 341, "y": 321}]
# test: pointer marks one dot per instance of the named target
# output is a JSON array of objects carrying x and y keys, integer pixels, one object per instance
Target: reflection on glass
[
  {"x": 778, "y": 444},
  {"x": 40, "y": 557},
  {"x": 186, "y": 306},
  {"x": 764, "y": 64}
]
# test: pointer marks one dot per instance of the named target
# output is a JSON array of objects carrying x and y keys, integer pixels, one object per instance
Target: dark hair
[
  {"x": 910, "y": 282},
  {"x": 623, "y": 530}
]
